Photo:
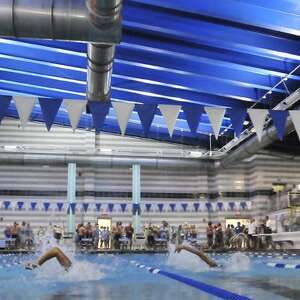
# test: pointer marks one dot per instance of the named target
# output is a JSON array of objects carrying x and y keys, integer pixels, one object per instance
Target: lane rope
[{"x": 204, "y": 287}]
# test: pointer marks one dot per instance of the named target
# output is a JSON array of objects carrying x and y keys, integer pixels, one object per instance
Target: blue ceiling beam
[
  {"x": 281, "y": 16},
  {"x": 209, "y": 34}
]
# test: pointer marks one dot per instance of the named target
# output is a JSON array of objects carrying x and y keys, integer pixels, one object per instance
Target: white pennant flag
[
  {"x": 24, "y": 107},
  {"x": 75, "y": 109},
  {"x": 295, "y": 116},
  {"x": 258, "y": 118},
  {"x": 215, "y": 116},
  {"x": 170, "y": 114},
  {"x": 123, "y": 111}
]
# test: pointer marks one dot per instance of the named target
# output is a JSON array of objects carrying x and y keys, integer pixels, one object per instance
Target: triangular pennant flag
[
  {"x": 208, "y": 206},
  {"x": 85, "y": 206},
  {"x": 220, "y": 205},
  {"x": 184, "y": 206},
  {"x": 75, "y": 109},
  {"x": 110, "y": 207},
  {"x": 123, "y": 111},
  {"x": 193, "y": 115},
  {"x": 196, "y": 206},
  {"x": 160, "y": 207},
  {"x": 215, "y": 115},
  {"x": 237, "y": 117},
  {"x": 146, "y": 114},
  {"x": 279, "y": 119},
  {"x": 99, "y": 112},
  {"x": 98, "y": 206},
  {"x": 49, "y": 109},
  {"x": 24, "y": 107},
  {"x": 148, "y": 206},
  {"x": 33, "y": 205},
  {"x": 258, "y": 118},
  {"x": 170, "y": 114},
  {"x": 46, "y": 206},
  {"x": 4, "y": 104},
  {"x": 231, "y": 205},
  {"x": 59, "y": 206},
  {"x": 136, "y": 209},
  {"x": 172, "y": 206},
  {"x": 295, "y": 116},
  {"x": 6, "y": 204},
  {"x": 20, "y": 205},
  {"x": 123, "y": 207}
]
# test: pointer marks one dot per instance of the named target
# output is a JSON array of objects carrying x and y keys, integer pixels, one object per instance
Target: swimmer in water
[
  {"x": 197, "y": 252},
  {"x": 52, "y": 253}
]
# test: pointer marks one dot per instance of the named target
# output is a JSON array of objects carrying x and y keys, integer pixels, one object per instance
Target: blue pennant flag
[
  {"x": 4, "y": 104},
  {"x": 220, "y": 205},
  {"x": 184, "y": 206},
  {"x": 172, "y": 206},
  {"x": 72, "y": 208},
  {"x": 85, "y": 207},
  {"x": 33, "y": 205},
  {"x": 136, "y": 209},
  {"x": 237, "y": 117},
  {"x": 231, "y": 205},
  {"x": 46, "y": 205},
  {"x": 146, "y": 114},
  {"x": 110, "y": 207},
  {"x": 123, "y": 207},
  {"x": 243, "y": 205},
  {"x": 20, "y": 205},
  {"x": 160, "y": 207},
  {"x": 6, "y": 204},
  {"x": 193, "y": 115},
  {"x": 98, "y": 206},
  {"x": 49, "y": 109},
  {"x": 196, "y": 206},
  {"x": 99, "y": 112},
  {"x": 208, "y": 206},
  {"x": 148, "y": 206},
  {"x": 59, "y": 206},
  {"x": 279, "y": 119}
]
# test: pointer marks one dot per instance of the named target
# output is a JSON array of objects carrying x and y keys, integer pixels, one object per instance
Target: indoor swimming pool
[{"x": 126, "y": 277}]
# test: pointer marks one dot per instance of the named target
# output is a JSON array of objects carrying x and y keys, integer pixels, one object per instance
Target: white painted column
[
  {"x": 71, "y": 196},
  {"x": 136, "y": 197}
]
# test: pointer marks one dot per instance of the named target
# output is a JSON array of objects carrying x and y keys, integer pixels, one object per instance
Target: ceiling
[{"x": 216, "y": 53}]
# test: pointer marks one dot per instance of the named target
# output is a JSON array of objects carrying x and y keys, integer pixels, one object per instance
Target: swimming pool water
[{"x": 113, "y": 277}]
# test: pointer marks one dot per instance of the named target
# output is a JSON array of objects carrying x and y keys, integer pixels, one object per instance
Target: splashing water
[
  {"x": 185, "y": 261},
  {"x": 238, "y": 262}
]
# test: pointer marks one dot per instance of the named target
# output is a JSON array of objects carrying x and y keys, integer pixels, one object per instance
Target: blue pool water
[{"x": 114, "y": 277}]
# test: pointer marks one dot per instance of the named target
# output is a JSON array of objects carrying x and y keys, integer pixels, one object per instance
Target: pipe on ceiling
[
  {"x": 12, "y": 158},
  {"x": 95, "y": 21},
  {"x": 252, "y": 145}
]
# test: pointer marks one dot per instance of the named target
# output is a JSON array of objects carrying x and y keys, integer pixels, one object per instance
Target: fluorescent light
[
  {"x": 246, "y": 123},
  {"x": 10, "y": 147},
  {"x": 107, "y": 150},
  {"x": 269, "y": 92},
  {"x": 195, "y": 154}
]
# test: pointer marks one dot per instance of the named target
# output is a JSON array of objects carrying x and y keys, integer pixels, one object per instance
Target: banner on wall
[
  {"x": 172, "y": 206},
  {"x": 295, "y": 116},
  {"x": 59, "y": 206},
  {"x": 196, "y": 206},
  {"x": 110, "y": 207},
  {"x": 136, "y": 209},
  {"x": 33, "y": 205},
  {"x": 243, "y": 205},
  {"x": 72, "y": 208},
  {"x": 85, "y": 206},
  {"x": 258, "y": 118},
  {"x": 184, "y": 206},
  {"x": 123, "y": 207},
  {"x": 215, "y": 115},
  {"x": 6, "y": 204},
  {"x": 160, "y": 207},
  {"x": 46, "y": 206},
  {"x": 220, "y": 206},
  {"x": 20, "y": 204},
  {"x": 208, "y": 206},
  {"x": 148, "y": 206},
  {"x": 231, "y": 205},
  {"x": 98, "y": 206}
]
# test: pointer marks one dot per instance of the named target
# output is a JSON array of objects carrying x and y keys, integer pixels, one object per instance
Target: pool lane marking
[
  {"x": 283, "y": 266},
  {"x": 204, "y": 287}
]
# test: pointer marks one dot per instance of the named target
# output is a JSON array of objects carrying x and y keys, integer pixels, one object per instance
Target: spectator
[
  {"x": 238, "y": 228},
  {"x": 7, "y": 232},
  {"x": 219, "y": 239},
  {"x": 22, "y": 234},
  {"x": 228, "y": 235},
  {"x": 129, "y": 234},
  {"x": 105, "y": 237},
  {"x": 210, "y": 234},
  {"x": 251, "y": 232}
]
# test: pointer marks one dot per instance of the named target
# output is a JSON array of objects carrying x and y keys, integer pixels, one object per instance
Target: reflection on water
[{"x": 237, "y": 262}]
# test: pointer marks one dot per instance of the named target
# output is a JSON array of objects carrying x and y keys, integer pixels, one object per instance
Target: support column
[
  {"x": 136, "y": 197},
  {"x": 71, "y": 196}
]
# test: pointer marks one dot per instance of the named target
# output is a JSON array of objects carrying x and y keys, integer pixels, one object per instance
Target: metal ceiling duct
[
  {"x": 13, "y": 158},
  {"x": 96, "y": 21}
]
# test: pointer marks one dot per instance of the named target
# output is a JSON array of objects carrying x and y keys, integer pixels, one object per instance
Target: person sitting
[
  {"x": 209, "y": 234},
  {"x": 197, "y": 252},
  {"x": 52, "y": 253}
]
